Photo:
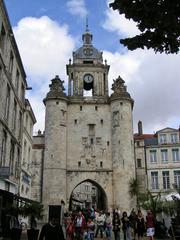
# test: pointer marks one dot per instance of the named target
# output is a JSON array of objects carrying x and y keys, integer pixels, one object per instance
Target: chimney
[{"x": 140, "y": 130}]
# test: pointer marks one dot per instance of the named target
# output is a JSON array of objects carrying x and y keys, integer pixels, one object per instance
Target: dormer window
[
  {"x": 174, "y": 138},
  {"x": 163, "y": 138}
]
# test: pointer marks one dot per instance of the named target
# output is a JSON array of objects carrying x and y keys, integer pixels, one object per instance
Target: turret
[
  {"x": 54, "y": 183},
  {"x": 121, "y": 105}
]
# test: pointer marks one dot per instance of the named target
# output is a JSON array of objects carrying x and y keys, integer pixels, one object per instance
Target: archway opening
[{"x": 88, "y": 194}]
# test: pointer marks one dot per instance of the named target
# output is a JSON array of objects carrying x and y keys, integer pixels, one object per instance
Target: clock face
[{"x": 88, "y": 78}]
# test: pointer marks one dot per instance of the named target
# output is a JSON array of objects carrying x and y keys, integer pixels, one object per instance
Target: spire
[
  {"x": 87, "y": 25},
  {"x": 87, "y": 36}
]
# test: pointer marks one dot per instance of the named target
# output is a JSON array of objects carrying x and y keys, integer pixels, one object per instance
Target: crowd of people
[{"x": 90, "y": 224}]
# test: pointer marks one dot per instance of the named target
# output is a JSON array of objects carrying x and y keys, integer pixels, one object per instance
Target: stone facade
[
  {"x": 12, "y": 103},
  {"x": 88, "y": 137},
  {"x": 26, "y": 160}
]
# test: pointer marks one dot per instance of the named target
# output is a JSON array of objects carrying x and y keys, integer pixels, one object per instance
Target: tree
[
  {"x": 34, "y": 211},
  {"x": 158, "y": 21},
  {"x": 151, "y": 202},
  {"x": 134, "y": 189}
]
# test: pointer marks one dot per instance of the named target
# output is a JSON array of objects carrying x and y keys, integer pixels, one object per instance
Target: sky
[{"x": 47, "y": 32}]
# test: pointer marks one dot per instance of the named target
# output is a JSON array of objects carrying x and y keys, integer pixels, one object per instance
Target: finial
[{"x": 87, "y": 27}]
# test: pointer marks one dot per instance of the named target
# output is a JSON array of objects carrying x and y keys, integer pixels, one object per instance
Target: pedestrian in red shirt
[{"x": 150, "y": 225}]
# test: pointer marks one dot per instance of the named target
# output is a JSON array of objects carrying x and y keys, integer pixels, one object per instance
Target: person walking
[
  {"x": 126, "y": 226},
  {"x": 108, "y": 226},
  {"x": 150, "y": 225},
  {"x": 100, "y": 224},
  {"x": 90, "y": 229},
  {"x": 52, "y": 230},
  {"x": 80, "y": 225},
  {"x": 140, "y": 225},
  {"x": 69, "y": 228},
  {"x": 116, "y": 222}
]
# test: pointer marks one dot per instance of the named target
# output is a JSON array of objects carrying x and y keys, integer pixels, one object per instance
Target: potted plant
[{"x": 34, "y": 211}]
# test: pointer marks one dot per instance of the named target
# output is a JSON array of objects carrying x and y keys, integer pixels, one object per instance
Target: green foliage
[
  {"x": 153, "y": 202},
  {"x": 158, "y": 21},
  {"x": 32, "y": 210},
  {"x": 134, "y": 187}
]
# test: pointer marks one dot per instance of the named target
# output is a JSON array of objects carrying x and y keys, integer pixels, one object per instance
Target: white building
[{"x": 158, "y": 159}]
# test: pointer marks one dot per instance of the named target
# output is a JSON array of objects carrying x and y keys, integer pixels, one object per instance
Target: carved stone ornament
[
  {"x": 56, "y": 88},
  {"x": 119, "y": 88}
]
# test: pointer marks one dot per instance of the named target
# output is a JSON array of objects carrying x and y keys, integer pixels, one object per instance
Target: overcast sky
[{"x": 48, "y": 31}]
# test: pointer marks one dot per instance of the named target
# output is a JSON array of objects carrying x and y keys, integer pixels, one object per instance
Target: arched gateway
[
  {"x": 88, "y": 137},
  {"x": 100, "y": 203}
]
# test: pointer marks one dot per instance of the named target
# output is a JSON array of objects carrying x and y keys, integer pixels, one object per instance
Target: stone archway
[{"x": 97, "y": 196}]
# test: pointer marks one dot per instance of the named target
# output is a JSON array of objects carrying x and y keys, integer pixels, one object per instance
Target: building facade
[
  {"x": 27, "y": 146},
  {"x": 88, "y": 134},
  {"x": 158, "y": 160},
  {"x": 13, "y": 109}
]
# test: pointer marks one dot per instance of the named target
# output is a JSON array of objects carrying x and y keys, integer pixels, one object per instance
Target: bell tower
[{"x": 87, "y": 72}]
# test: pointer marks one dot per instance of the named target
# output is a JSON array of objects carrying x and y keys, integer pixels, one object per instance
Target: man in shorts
[{"x": 150, "y": 225}]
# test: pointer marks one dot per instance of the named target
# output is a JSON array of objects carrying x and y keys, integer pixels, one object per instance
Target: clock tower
[
  {"x": 87, "y": 71},
  {"x": 88, "y": 137}
]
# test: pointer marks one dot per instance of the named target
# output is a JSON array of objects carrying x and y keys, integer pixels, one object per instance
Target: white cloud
[
  {"x": 153, "y": 82},
  {"x": 77, "y": 7},
  {"x": 118, "y": 23},
  {"x": 45, "y": 47}
]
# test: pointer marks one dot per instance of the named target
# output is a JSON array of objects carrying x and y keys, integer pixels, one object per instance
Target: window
[
  {"x": 91, "y": 129},
  {"x": 7, "y": 102},
  {"x": 175, "y": 155},
  {"x": 79, "y": 164},
  {"x": 11, "y": 62},
  {"x": 3, "y": 149},
  {"x": 22, "y": 93},
  {"x": 12, "y": 158},
  {"x": 14, "y": 116},
  {"x": 174, "y": 138},
  {"x": 2, "y": 37},
  {"x": 154, "y": 180},
  {"x": 101, "y": 164},
  {"x": 164, "y": 155},
  {"x": 20, "y": 124},
  {"x": 163, "y": 138},
  {"x": 17, "y": 81},
  {"x": 153, "y": 156},
  {"x": 139, "y": 163},
  {"x": 138, "y": 143},
  {"x": 177, "y": 178},
  {"x": 166, "y": 183}
]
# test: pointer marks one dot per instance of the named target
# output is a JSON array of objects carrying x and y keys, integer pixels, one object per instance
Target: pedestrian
[
  {"x": 108, "y": 226},
  {"x": 140, "y": 225},
  {"x": 132, "y": 220},
  {"x": 100, "y": 224},
  {"x": 90, "y": 229},
  {"x": 116, "y": 222},
  {"x": 80, "y": 225},
  {"x": 126, "y": 227},
  {"x": 150, "y": 225},
  {"x": 69, "y": 228},
  {"x": 52, "y": 230}
]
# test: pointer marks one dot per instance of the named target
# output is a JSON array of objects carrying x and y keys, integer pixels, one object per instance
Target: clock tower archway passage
[
  {"x": 88, "y": 194},
  {"x": 88, "y": 137}
]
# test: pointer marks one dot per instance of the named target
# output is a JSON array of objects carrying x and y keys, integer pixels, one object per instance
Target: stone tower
[{"x": 88, "y": 134}]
